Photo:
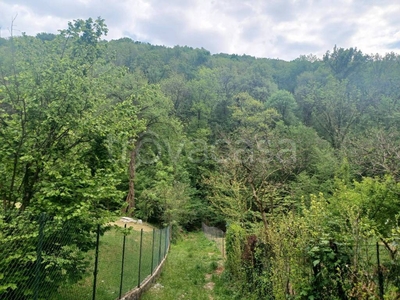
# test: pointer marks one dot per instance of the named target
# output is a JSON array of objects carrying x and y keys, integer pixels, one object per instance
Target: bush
[
  {"x": 38, "y": 254},
  {"x": 235, "y": 237}
]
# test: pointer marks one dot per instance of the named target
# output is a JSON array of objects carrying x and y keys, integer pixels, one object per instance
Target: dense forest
[{"x": 298, "y": 161}]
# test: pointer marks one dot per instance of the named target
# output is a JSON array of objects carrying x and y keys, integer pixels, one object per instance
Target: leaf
[
  {"x": 331, "y": 255},
  {"x": 316, "y": 262},
  {"x": 8, "y": 286}
]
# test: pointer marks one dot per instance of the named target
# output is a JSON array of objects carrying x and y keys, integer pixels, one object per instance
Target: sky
[{"x": 282, "y": 29}]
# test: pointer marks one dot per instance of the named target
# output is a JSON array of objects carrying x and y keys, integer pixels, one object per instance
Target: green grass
[
  {"x": 110, "y": 265},
  {"x": 190, "y": 270}
]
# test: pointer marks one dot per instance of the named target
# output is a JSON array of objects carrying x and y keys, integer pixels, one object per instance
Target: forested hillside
[{"x": 299, "y": 160}]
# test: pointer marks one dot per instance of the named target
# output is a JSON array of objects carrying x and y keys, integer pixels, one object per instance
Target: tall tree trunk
[
  {"x": 261, "y": 208},
  {"x": 130, "y": 199}
]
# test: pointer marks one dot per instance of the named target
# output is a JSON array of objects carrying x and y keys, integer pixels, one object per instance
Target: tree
[
  {"x": 285, "y": 104},
  {"x": 251, "y": 114},
  {"x": 154, "y": 109},
  {"x": 204, "y": 91},
  {"x": 306, "y": 95},
  {"x": 53, "y": 107},
  {"x": 55, "y": 121},
  {"x": 46, "y": 36},
  {"x": 337, "y": 110},
  {"x": 176, "y": 88},
  {"x": 253, "y": 165},
  {"x": 375, "y": 153},
  {"x": 344, "y": 62}
]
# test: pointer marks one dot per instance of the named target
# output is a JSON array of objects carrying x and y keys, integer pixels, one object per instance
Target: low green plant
[
  {"x": 235, "y": 239},
  {"x": 213, "y": 265}
]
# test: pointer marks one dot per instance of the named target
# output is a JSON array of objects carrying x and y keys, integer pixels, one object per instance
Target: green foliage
[
  {"x": 325, "y": 250},
  {"x": 217, "y": 137},
  {"x": 343, "y": 62},
  {"x": 62, "y": 251},
  {"x": 235, "y": 240},
  {"x": 378, "y": 199},
  {"x": 55, "y": 126},
  {"x": 85, "y": 36},
  {"x": 330, "y": 269},
  {"x": 285, "y": 104},
  {"x": 248, "y": 113},
  {"x": 247, "y": 264},
  {"x": 55, "y": 121}
]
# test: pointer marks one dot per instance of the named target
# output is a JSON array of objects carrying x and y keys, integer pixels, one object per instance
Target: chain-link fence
[
  {"x": 366, "y": 270},
  {"x": 378, "y": 267},
  {"x": 51, "y": 258},
  {"x": 215, "y": 234},
  {"x": 316, "y": 269}
]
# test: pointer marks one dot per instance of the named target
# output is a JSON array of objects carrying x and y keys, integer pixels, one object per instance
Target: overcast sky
[{"x": 282, "y": 29}]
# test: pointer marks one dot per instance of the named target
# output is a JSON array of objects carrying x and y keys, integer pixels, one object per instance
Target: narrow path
[{"x": 191, "y": 270}]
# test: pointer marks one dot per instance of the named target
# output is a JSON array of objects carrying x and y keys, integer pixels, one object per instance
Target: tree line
[{"x": 291, "y": 154}]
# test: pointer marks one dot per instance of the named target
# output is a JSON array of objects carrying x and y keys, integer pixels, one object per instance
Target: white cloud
[
  {"x": 274, "y": 28},
  {"x": 376, "y": 30}
]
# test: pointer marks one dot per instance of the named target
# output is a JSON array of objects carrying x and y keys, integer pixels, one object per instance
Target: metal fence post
[
  {"x": 96, "y": 262},
  {"x": 380, "y": 275},
  {"x": 39, "y": 255},
  {"x": 140, "y": 256},
  {"x": 169, "y": 236},
  {"x": 166, "y": 240},
  {"x": 152, "y": 252},
  {"x": 223, "y": 246},
  {"x": 159, "y": 249},
  {"x": 122, "y": 264}
]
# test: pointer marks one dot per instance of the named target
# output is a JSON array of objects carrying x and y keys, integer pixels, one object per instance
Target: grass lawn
[{"x": 192, "y": 270}]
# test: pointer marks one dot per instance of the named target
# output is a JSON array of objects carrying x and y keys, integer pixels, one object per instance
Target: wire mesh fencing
[
  {"x": 380, "y": 265},
  {"x": 215, "y": 234},
  {"x": 363, "y": 269},
  {"x": 126, "y": 258},
  {"x": 43, "y": 257}
]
